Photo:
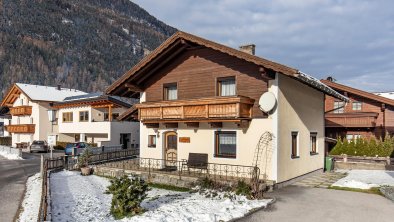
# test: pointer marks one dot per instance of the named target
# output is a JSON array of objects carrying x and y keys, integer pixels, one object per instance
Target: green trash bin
[{"x": 328, "y": 164}]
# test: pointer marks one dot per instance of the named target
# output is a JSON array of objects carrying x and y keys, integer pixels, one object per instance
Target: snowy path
[
  {"x": 32, "y": 199},
  {"x": 366, "y": 179},
  {"x": 77, "y": 198}
]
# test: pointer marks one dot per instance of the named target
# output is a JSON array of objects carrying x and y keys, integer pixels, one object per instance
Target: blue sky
[{"x": 351, "y": 40}]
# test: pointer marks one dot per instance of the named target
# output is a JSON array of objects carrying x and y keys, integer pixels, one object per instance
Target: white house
[
  {"x": 29, "y": 105},
  {"x": 92, "y": 118},
  {"x": 198, "y": 96}
]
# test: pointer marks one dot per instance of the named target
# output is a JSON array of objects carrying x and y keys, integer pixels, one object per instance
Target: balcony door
[{"x": 171, "y": 147}]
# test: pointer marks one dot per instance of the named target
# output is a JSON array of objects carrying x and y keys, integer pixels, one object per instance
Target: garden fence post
[{"x": 344, "y": 158}]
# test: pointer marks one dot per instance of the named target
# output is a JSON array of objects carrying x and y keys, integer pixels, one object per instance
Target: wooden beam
[
  {"x": 152, "y": 125},
  {"x": 243, "y": 124},
  {"x": 110, "y": 113},
  {"x": 133, "y": 88},
  {"x": 193, "y": 124},
  {"x": 216, "y": 124},
  {"x": 162, "y": 63},
  {"x": 171, "y": 125}
]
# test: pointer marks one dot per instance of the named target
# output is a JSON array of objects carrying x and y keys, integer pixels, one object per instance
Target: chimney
[
  {"x": 59, "y": 87},
  {"x": 249, "y": 48}
]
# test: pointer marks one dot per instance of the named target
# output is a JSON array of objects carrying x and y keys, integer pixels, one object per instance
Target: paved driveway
[
  {"x": 296, "y": 203},
  {"x": 13, "y": 176}
]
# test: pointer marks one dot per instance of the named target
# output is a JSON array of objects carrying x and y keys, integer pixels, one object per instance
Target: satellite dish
[{"x": 267, "y": 102}]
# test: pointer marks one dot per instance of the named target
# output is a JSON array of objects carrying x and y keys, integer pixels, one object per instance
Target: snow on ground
[
  {"x": 366, "y": 179},
  {"x": 79, "y": 198},
  {"x": 10, "y": 156},
  {"x": 32, "y": 199}
]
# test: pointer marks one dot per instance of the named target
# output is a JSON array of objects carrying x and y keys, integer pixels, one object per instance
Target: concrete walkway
[
  {"x": 295, "y": 203},
  {"x": 321, "y": 180}
]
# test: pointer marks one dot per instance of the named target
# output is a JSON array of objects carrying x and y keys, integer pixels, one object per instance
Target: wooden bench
[
  {"x": 22, "y": 145},
  {"x": 196, "y": 161}
]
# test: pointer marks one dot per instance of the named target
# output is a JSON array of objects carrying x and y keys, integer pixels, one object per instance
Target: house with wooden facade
[
  {"x": 28, "y": 106},
  {"x": 198, "y": 96},
  {"x": 365, "y": 115},
  {"x": 93, "y": 117}
]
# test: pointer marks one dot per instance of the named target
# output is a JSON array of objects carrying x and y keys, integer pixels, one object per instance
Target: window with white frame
[
  {"x": 226, "y": 86},
  {"x": 356, "y": 106},
  {"x": 226, "y": 144},
  {"x": 339, "y": 107}
]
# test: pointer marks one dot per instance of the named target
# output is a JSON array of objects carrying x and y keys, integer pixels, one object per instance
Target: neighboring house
[
  {"x": 92, "y": 118},
  {"x": 197, "y": 96},
  {"x": 29, "y": 105},
  {"x": 5, "y": 119},
  {"x": 365, "y": 115}
]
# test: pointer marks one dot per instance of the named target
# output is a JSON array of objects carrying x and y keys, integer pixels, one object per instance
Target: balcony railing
[
  {"x": 22, "y": 128},
  {"x": 236, "y": 107},
  {"x": 366, "y": 119},
  {"x": 21, "y": 111}
]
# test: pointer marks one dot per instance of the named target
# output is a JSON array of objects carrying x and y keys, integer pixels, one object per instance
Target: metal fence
[
  {"x": 71, "y": 162},
  {"x": 215, "y": 171},
  {"x": 97, "y": 150}
]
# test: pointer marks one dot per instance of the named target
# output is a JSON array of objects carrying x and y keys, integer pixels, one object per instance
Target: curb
[{"x": 254, "y": 210}]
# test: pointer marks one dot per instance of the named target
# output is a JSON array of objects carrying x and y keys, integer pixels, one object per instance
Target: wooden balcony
[
  {"x": 21, "y": 128},
  {"x": 365, "y": 119},
  {"x": 21, "y": 111},
  {"x": 202, "y": 109}
]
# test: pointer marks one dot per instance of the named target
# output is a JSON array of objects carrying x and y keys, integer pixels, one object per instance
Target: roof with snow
[
  {"x": 39, "y": 93},
  {"x": 97, "y": 98},
  {"x": 389, "y": 95}
]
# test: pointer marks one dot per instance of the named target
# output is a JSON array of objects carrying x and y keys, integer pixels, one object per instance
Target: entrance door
[{"x": 171, "y": 147}]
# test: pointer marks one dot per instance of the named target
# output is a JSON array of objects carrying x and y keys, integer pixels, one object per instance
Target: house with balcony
[
  {"x": 198, "y": 96},
  {"x": 93, "y": 117},
  {"x": 365, "y": 115},
  {"x": 28, "y": 106}
]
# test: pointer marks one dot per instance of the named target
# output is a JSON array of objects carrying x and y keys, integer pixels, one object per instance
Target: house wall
[
  {"x": 196, "y": 73},
  {"x": 39, "y": 117},
  {"x": 301, "y": 109},
  {"x": 368, "y": 105}
]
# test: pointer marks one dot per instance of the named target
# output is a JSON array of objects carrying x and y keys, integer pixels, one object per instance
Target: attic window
[{"x": 170, "y": 91}]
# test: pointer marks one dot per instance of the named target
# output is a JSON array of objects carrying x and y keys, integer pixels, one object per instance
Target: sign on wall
[{"x": 184, "y": 139}]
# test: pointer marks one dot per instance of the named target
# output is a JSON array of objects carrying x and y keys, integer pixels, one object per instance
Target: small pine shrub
[
  {"x": 243, "y": 188},
  {"x": 128, "y": 195}
]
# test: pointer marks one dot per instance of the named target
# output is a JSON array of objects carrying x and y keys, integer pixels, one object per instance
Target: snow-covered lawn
[
  {"x": 366, "y": 179},
  {"x": 78, "y": 198},
  {"x": 32, "y": 200},
  {"x": 10, "y": 156}
]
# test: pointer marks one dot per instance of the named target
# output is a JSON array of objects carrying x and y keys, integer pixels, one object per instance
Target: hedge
[
  {"x": 5, "y": 141},
  {"x": 62, "y": 145},
  {"x": 365, "y": 147}
]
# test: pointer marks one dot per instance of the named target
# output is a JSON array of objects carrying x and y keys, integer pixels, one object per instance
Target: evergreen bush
[
  {"x": 128, "y": 195},
  {"x": 365, "y": 147}
]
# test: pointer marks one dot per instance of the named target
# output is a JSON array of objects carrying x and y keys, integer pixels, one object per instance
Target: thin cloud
[{"x": 351, "y": 40}]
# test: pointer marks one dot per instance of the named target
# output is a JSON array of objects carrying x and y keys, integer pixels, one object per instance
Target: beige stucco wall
[
  {"x": 202, "y": 140},
  {"x": 301, "y": 109}
]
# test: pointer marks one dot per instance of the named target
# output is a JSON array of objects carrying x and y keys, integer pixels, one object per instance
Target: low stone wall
[
  {"x": 340, "y": 165},
  {"x": 153, "y": 177},
  {"x": 11, "y": 150}
]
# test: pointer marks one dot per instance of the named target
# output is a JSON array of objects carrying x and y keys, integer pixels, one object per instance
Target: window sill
[
  {"x": 314, "y": 153},
  {"x": 227, "y": 157},
  {"x": 151, "y": 146},
  {"x": 295, "y": 157}
]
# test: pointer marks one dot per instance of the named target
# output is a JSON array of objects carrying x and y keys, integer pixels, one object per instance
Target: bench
[
  {"x": 196, "y": 161},
  {"x": 22, "y": 145}
]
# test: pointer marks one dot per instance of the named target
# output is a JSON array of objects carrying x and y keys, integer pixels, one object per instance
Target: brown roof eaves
[
  {"x": 207, "y": 43},
  {"x": 358, "y": 92},
  {"x": 127, "y": 113}
]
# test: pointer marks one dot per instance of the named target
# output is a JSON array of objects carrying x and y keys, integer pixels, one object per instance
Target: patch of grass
[
  {"x": 373, "y": 190},
  {"x": 168, "y": 187}
]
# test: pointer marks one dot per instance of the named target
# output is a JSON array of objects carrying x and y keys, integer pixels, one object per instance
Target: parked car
[
  {"x": 39, "y": 146},
  {"x": 70, "y": 146}
]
